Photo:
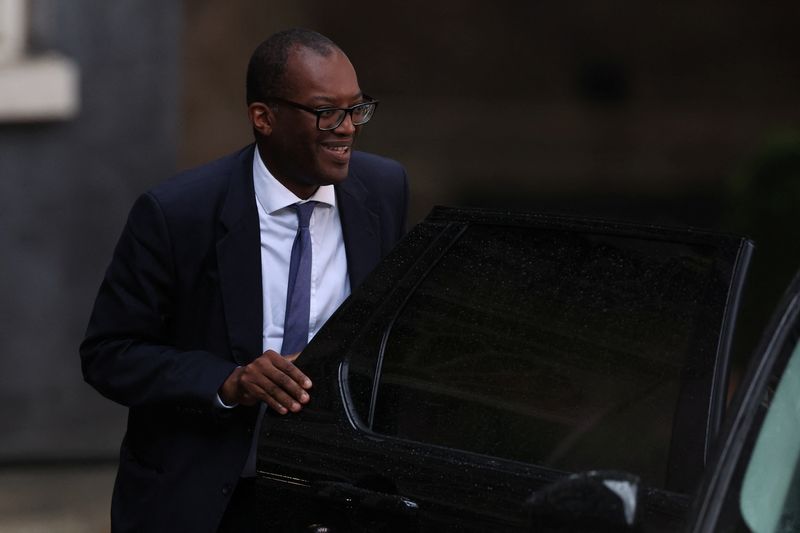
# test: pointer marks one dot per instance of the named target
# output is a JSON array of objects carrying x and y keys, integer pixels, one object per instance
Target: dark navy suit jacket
[{"x": 180, "y": 307}]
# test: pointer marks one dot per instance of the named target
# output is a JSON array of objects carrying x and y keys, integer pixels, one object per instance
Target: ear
[{"x": 261, "y": 117}]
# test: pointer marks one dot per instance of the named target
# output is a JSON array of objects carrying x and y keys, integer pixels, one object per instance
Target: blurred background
[{"x": 676, "y": 113}]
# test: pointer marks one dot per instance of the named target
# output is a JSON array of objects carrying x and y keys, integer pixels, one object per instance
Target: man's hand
[{"x": 272, "y": 379}]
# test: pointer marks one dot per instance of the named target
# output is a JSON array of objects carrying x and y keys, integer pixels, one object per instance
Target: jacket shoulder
[
  {"x": 382, "y": 185},
  {"x": 371, "y": 163},
  {"x": 377, "y": 174},
  {"x": 203, "y": 183}
]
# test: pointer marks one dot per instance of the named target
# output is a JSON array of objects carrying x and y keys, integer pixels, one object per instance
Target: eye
[{"x": 327, "y": 112}]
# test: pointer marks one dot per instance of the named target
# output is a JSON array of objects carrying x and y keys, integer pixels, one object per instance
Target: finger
[
  {"x": 285, "y": 384},
  {"x": 284, "y": 364},
  {"x": 274, "y": 396},
  {"x": 267, "y": 383},
  {"x": 281, "y": 402}
]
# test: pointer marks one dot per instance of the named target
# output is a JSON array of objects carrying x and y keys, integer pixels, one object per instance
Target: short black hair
[{"x": 265, "y": 72}]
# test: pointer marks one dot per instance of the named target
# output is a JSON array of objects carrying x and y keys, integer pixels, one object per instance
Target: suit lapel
[
  {"x": 360, "y": 228},
  {"x": 239, "y": 262}
]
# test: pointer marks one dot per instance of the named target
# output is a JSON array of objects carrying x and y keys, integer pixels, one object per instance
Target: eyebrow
[{"x": 329, "y": 100}]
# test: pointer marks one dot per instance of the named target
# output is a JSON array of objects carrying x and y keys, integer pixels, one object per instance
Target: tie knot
[{"x": 304, "y": 211}]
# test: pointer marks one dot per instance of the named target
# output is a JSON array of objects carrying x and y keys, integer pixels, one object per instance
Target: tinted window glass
[
  {"x": 770, "y": 494},
  {"x": 552, "y": 347}
]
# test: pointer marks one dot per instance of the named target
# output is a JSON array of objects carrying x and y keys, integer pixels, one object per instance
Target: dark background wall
[
  {"x": 660, "y": 112},
  {"x": 524, "y": 100},
  {"x": 670, "y": 113},
  {"x": 65, "y": 189}
]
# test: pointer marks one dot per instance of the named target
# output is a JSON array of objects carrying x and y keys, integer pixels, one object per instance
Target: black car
[{"x": 507, "y": 371}]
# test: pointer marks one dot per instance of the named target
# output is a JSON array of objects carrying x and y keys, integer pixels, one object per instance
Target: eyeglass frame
[{"x": 318, "y": 111}]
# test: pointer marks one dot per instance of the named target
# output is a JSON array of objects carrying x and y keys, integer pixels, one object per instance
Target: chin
[{"x": 333, "y": 177}]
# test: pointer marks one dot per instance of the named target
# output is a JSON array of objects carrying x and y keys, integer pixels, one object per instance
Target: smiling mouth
[
  {"x": 340, "y": 153},
  {"x": 341, "y": 150}
]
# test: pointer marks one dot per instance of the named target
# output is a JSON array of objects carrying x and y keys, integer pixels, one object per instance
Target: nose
[{"x": 346, "y": 127}]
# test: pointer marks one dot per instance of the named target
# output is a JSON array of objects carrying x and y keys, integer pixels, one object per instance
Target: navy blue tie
[
  {"x": 298, "y": 291},
  {"x": 298, "y": 306}
]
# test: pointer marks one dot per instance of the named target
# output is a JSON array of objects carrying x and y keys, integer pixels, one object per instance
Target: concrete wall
[{"x": 65, "y": 189}]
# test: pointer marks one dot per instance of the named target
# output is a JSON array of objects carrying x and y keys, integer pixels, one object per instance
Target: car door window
[
  {"x": 770, "y": 496},
  {"x": 565, "y": 349}
]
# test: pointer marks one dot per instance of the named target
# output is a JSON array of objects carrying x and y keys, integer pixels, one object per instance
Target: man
[{"x": 200, "y": 297}]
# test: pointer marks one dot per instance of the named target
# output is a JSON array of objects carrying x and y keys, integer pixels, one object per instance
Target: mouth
[{"x": 339, "y": 150}]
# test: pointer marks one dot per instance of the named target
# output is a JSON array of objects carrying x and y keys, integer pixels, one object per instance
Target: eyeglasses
[{"x": 330, "y": 118}]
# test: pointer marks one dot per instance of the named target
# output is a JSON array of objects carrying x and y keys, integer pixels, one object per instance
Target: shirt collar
[{"x": 273, "y": 195}]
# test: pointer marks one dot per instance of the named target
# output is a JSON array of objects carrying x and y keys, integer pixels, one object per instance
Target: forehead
[{"x": 310, "y": 74}]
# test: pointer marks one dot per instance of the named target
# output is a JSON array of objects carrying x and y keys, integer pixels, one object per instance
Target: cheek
[{"x": 302, "y": 147}]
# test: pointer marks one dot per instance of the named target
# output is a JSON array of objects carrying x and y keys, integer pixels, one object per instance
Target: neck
[{"x": 302, "y": 190}]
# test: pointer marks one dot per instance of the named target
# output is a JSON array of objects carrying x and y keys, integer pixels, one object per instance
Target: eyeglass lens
[{"x": 332, "y": 118}]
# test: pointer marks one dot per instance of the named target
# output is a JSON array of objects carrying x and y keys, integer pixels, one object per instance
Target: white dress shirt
[{"x": 330, "y": 284}]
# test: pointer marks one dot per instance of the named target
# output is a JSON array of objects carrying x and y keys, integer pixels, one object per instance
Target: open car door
[{"x": 493, "y": 353}]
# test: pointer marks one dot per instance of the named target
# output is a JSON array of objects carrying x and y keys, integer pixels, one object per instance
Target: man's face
[{"x": 297, "y": 153}]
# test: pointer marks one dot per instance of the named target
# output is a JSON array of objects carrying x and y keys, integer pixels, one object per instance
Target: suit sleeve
[{"x": 128, "y": 354}]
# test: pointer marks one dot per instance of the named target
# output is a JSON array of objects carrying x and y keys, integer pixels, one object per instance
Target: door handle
[{"x": 350, "y": 496}]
